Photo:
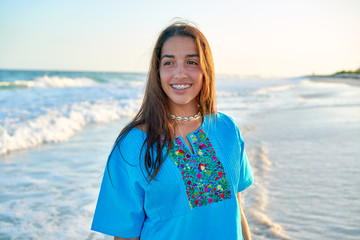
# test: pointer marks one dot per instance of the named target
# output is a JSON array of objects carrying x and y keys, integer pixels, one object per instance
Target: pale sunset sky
[{"x": 281, "y": 38}]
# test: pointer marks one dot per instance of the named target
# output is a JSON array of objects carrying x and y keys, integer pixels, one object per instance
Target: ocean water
[{"x": 57, "y": 128}]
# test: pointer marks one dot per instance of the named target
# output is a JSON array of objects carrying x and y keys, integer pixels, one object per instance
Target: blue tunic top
[{"x": 192, "y": 197}]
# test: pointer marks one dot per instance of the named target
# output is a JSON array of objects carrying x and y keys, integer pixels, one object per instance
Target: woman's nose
[{"x": 180, "y": 71}]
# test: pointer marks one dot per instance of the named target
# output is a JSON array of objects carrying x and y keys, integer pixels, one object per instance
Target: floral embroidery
[{"x": 202, "y": 172}]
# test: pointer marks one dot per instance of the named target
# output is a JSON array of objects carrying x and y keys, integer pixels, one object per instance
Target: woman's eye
[
  {"x": 192, "y": 63},
  {"x": 166, "y": 63}
]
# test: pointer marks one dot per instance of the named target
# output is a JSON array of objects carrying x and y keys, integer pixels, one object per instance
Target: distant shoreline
[{"x": 345, "y": 78}]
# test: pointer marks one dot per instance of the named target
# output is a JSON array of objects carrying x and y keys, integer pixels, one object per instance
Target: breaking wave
[{"x": 59, "y": 124}]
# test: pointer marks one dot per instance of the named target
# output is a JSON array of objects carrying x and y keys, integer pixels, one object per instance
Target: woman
[{"x": 177, "y": 169}]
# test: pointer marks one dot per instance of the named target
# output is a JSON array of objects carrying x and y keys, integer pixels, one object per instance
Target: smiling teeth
[{"x": 180, "y": 86}]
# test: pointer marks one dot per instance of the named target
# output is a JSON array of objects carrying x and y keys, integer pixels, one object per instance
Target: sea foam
[
  {"x": 59, "y": 124},
  {"x": 49, "y": 82},
  {"x": 258, "y": 157}
]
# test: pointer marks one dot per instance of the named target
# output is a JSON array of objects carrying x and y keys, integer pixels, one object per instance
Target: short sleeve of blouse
[
  {"x": 246, "y": 174},
  {"x": 119, "y": 210}
]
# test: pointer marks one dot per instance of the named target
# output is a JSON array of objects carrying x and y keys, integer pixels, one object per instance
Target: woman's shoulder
[
  {"x": 141, "y": 127},
  {"x": 132, "y": 137},
  {"x": 128, "y": 145},
  {"x": 223, "y": 120},
  {"x": 125, "y": 155},
  {"x": 223, "y": 125},
  {"x": 224, "y": 117}
]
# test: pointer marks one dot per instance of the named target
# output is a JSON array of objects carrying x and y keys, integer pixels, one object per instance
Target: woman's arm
[
  {"x": 119, "y": 238},
  {"x": 244, "y": 225}
]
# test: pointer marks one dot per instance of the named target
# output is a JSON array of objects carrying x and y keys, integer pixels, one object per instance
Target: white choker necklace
[{"x": 186, "y": 118}]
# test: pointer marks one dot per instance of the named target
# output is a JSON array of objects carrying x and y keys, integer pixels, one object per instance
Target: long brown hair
[{"x": 154, "y": 111}]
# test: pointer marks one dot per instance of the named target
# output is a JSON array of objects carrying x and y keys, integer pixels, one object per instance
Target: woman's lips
[{"x": 180, "y": 86}]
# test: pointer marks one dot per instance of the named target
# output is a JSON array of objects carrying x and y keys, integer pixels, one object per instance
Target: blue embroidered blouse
[{"x": 192, "y": 197}]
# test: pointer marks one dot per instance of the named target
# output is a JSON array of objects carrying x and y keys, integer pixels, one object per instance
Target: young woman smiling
[{"x": 177, "y": 169}]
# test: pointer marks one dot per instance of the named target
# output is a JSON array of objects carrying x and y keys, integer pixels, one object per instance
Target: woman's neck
[
  {"x": 187, "y": 110},
  {"x": 183, "y": 128}
]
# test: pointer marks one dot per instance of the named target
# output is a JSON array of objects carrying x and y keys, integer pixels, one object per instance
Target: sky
[{"x": 281, "y": 38}]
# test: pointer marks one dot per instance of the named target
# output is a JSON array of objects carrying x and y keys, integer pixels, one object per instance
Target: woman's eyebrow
[
  {"x": 172, "y": 56},
  {"x": 168, "y": 56},
  {"x": 192, "y": 55}
]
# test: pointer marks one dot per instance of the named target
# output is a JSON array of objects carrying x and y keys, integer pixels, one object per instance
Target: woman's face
[{"x": 180, "y": 74}]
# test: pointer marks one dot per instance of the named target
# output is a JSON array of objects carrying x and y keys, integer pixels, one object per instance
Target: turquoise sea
[{"x": 57, "y": 129}]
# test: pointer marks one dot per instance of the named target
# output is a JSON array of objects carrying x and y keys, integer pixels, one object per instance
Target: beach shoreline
[{"x": 353, "y": 79}]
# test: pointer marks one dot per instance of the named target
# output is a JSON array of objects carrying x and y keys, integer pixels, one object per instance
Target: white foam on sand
[
  {"x": 257, "y": 209},
  {"x": 59, "y": 124}
]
